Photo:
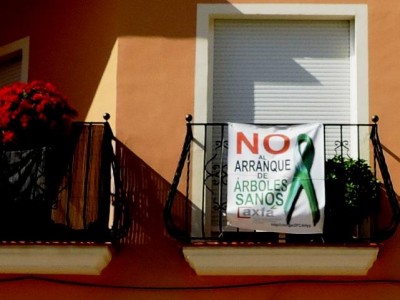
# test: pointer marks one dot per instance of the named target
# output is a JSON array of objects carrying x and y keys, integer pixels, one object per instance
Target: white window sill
[
  {"x": 281, "y": 260},
  {"x": 54, "y": 259}
]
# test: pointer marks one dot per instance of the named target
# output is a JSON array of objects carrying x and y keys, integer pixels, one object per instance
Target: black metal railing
[
  {"x": 204, "y": 218},
  {"x": 66, "y": 192}
]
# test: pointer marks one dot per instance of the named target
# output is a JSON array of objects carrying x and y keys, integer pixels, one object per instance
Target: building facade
[{"x": 150, "y": 63}]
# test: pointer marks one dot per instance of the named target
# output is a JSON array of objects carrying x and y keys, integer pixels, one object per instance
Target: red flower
[
  {"x": 33, "y": 112},
  {"x": 8, "y": 136},
  {"x": 25, "y": 120}
]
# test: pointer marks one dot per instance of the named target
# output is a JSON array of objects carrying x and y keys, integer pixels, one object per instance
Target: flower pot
[{"x": 351, "y": 197}]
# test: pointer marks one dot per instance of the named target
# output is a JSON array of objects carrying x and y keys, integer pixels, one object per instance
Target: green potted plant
[{"x": 352, "y": 193}]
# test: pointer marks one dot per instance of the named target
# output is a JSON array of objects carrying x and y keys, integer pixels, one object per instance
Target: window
[
  {"x": 256, "y": 62},
  {"x": 281, "y": 71},
  {"x": 217, "y": 23},
  {"x": 14, "y": 62}
]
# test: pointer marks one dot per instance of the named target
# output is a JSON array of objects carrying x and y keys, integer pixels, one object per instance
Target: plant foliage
[
  {"x": 33, "y": 113},
  {"x": 352, "y": 190}
]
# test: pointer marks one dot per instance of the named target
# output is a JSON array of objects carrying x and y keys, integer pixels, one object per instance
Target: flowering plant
[{"x": 33, "y": 113}]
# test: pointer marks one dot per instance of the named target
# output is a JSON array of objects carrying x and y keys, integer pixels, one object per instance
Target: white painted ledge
[
  {"x": 281, "y": 260},
  {"x": 54, "y": 259}
]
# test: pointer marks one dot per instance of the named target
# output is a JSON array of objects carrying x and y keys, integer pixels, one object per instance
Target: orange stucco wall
[
  {"x": 70, "y": 44},
  {"x": 156, "y": 76}
]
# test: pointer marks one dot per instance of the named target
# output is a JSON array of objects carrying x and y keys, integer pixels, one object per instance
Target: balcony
[
  {"x": 196, "y": 212},
  {"x": 61, "y": 205}
]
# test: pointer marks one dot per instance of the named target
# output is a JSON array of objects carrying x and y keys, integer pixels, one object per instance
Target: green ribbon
[{"x": 302, "y": 180}]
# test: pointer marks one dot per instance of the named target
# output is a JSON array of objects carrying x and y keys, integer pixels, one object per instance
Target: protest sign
[{"x": 276, "y": 178}]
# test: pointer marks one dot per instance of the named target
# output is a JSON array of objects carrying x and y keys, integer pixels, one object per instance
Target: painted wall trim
[
  {"x": 285, "y": 260},
  {"x": 23, "y": 45},
  {"x": 54, "y": 259}
]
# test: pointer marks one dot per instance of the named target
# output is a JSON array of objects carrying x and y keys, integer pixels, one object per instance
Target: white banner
[{"x": 276, "y": 178}]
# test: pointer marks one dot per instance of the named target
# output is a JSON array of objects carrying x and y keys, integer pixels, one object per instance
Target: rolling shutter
[
  {"x": 273, "y": 71},
  {"x": 10, "y": 68}
]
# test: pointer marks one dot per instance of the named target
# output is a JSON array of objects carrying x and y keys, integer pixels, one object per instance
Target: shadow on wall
[
  {"x": 145, "y": 193},
  {"x": 391, "y": 153}
]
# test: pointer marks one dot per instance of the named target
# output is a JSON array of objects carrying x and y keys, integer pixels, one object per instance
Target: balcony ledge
[
  {"x": 281, "y": 260},
  {"x": 74, "y": 259}
]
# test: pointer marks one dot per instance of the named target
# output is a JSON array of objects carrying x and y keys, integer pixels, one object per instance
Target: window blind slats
[
  {"x": 10, "y": 68},
  {"x": 281, "y": 71}
]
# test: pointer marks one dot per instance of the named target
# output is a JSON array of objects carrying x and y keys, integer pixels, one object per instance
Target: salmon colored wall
[
  {"x": 38, "y": 289},
  {"x": 384, "y": 71},
  {"x": 70, "y": 45},
  {"x": 156, "y": 78},
  {"x": 156, "y": 82},
  {"x": 70, "y": 42}
]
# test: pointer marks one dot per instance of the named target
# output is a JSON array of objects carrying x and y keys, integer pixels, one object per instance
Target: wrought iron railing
[
  {"x": 196, "y": 204},
  {"x": 66, "y": 192}
]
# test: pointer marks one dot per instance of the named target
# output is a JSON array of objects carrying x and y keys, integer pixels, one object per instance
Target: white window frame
[
  {"x": 357, "y": 14},
  {"x": 19, "y": 45}
]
